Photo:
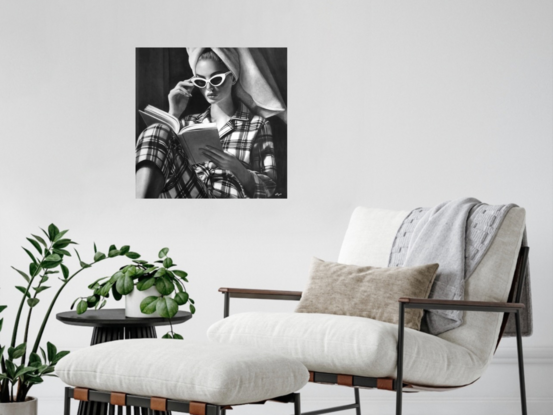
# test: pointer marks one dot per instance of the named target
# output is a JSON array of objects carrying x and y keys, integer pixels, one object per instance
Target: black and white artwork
[{"x": 211, "y": 123}]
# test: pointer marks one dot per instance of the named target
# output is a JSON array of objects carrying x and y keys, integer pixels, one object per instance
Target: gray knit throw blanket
[{"x": 457, "y": 235}]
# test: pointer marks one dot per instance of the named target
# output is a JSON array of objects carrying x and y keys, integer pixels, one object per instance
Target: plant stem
[
  {"x": 47, "y": 315},
  {"x": 26, "y": 336},
  {"x": 17, "y": 318}
]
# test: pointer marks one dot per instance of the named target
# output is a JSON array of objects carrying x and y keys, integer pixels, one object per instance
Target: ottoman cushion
[{"x": 190, "y": 371}]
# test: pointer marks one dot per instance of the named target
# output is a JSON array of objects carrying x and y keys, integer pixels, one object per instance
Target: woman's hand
[
  {"x": 229, "y": 162},
  {"x": 179, "y": 96}
]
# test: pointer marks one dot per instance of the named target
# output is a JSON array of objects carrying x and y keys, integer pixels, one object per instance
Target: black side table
[{"x": 111, "y": 324}]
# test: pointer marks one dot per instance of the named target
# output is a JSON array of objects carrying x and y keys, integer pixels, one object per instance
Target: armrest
[
  {"x": 261, "y": 294},
  {"x": 435, "y": 304}
]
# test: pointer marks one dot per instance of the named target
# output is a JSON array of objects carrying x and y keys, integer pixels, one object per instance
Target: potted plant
[
  {"x": 150, "y": 290},
  {"x": 24, "y": 363}
]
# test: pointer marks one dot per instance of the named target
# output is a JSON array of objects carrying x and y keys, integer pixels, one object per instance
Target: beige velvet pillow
[{"x": 370, "y": 292}]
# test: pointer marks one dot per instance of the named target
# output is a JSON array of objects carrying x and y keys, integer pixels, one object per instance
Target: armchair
[{"x": 364, "y": 353}]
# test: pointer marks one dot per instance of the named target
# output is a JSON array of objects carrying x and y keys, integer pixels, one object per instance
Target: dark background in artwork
[{"x": 159, "y": 69}]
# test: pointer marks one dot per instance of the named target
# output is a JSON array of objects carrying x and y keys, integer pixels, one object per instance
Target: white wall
[{"x": 438, "y": 100}]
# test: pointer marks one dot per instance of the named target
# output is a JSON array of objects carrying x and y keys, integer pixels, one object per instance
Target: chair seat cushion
[
  {"x": 189, "y": 371},
  {"x": 351, "y": 345}
]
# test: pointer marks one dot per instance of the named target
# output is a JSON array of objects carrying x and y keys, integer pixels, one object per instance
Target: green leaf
[
  {"x": 10, "y": 368},
  {"x": 34, "y": 269},
  {"x": 125, "y": 285},
  {"x": 43, "y": 354},
  {"x": 32, "y": 302},
  {"x": 60, "y": 235},
  {"x": 139, "y": 261},
  {"x": 98, "y": 256},
  {"x": 35, "y": 244},
  {"x": 22, "y": 370},
  {"x": 42, "y": 241},
  {"x": 33, "y": 380},
  {"x": 23, "y": 290},
  {"x": 92, "y": 300},
  {"x": 59, "y": 356},
  {"x": 192, "y": 308},
  {"x": 3, "y": 307},
  {"x": 164, "y": 286},
  {"x": 180, "y": 273},
  {"x": 163, "y": 253},
  {"x": 23, "y": 274},
  {"x": 115, "y": 277},
  {"x": 177, "y": 336},
  {"x": 132, "y": 255},
  {"x": 167, "y": 307},
  {"x": 53, "y": 231},
  {"x": 192, "y": 301},
  {"x": 104, "y": 291},
  {"x": 30, "y": 254},
  {"x": 18, "y": 351},
  {"x": 92, "y": 286},
  {"x": 181, "y": 298},
  {"x": 60, "y": 251},
  {"x": 124, "y": 249},
  {"x": 102, "y": 305},
  {"x": 65, "y": 271},
  {"x": 131, "y": 271},
  {"x": 52, "y": 351},
  {"x": 62, "y": 243},
  {"x": 167, "y": 336},
  {"x": 73, "y": 305},
  {"x": 44, "y": 279},
  {"x": 149, "y": 304},
  {"x": 95, "y": 250},
  {"x": 81, "y": 308},
  {"x": 112, "y": 248},
  {"x": 145, "y": 283},
  {"x": 160, "y": 272},
  {"x": 167, "y": 262},
  {"x": 113, "y": 253},
  {"x": 116, "y": 295},
  {"x": 51, "y": 261},
  {"x": 1, "y": 323},
  {"x": 34, "y": 360},
  {"x": 41, "y": 288}
]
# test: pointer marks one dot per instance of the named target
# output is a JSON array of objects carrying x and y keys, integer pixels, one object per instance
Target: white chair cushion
[
  {"x": 369, "y": 239},
  {"x": 351, "y": 345},
  {"x": 176, "y": 369}
]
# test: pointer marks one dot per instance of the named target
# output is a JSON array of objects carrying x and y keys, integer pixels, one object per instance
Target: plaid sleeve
[
  {"x": 263, "y": 162},
  {"x": 153, "y": 146}
]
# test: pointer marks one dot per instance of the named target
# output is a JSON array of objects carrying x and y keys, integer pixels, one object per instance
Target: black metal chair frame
[
  {"x": 512, "y": 306},
  {"x": 143, "y": 404}
]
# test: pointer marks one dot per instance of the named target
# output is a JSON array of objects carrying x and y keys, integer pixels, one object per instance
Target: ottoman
[{"x": 174, "y": 375}]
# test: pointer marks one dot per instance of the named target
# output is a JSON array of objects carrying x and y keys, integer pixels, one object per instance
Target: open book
[{"x": 193, "y": 137}]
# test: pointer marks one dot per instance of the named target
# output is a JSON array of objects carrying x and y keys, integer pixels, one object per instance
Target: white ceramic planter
[
  {"x": 133, "y": 300},
  {"x": 29, "y": 407}
]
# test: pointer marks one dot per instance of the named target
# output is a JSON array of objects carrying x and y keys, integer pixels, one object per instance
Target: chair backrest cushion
[{"x": 369, "y": 239}]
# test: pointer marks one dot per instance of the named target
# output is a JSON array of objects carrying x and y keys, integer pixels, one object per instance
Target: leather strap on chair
[
  {"x": 158, "y": 404},
  {"x": 386, "y": 384},
  {"x": 344, "y": 380},
  {"x": 311, "y": 377},
  {"x": 117, "y": 398},
  {"x": 80, "y": 394},
  {"x": 197, "y": 408}
]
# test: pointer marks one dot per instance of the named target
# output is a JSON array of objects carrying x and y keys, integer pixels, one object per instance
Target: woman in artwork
[{"x": 241, "y": 94}]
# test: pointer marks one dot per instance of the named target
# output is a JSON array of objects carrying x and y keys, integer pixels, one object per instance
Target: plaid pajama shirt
[{"x": 248, "y": 137}]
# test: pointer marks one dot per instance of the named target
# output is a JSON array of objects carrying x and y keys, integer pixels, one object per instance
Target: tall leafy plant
[{"x": 24, "y": 362}]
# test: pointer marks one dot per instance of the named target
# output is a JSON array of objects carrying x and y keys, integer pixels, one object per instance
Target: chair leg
[
  {"x": 67, "y": 404},
  {"x": 357, "y": 401},
  {"x": 297, "y": 404},
  {"x": 399, "y": 377},
  {"x": 520, "y": 364}
]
